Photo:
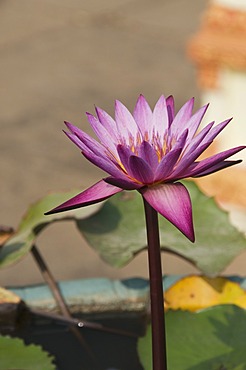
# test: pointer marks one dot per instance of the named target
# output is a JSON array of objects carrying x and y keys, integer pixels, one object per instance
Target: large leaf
[
  {"x": 117, "y": 232},
  {"x": 211, "y": 339},
  {"x": 14, "y": 354},
  {"x": 35, "y": 221}
]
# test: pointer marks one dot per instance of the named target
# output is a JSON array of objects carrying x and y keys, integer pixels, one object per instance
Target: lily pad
[
  {"x": 117, "y": 232},
  {"x": 17, "y": 246},
  {"x": 211, "y": 339},
  {"x": 14, "y": 354}
]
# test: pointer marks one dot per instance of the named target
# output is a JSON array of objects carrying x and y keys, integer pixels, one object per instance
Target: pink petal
[
  {"x": 160, "y": 117},
  {"x": 141, "y": 170},
  {"x": 182, "y": 117},
  {"x": 76, "y": 141},
  {"x": 124, "y": 120},
  {"x": 181, "y": 142},
  {"x": 170, "y": 109},
  {"x": 218, "y": 167},
  {"x": 84, "y": 141},
  {"x": 107, "y": 121},
  {"x": 74, "y": 129},
  {"x": 173, "y": 202},
  {"x": 195, "y": 120},
  {"x": 148, "y": 153},
  {"x": 143, "y": 115},
  {"x": 123, "y": 183},
  {"x": 95, "y": 194},
  {"x": 167, "y": 164},
  {"x": 217, "y": 129},
  {"x": 104, "y": 163},
  {"x": 210, "y": 162},
  {"x": 124, "y": 153},
  {"x": 103, "y": 135},
  {"x": 188, "y": 160},
  {"x": 196, "y": 141}
]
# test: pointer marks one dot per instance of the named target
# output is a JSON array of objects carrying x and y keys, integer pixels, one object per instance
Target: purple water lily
[{"x": 149, "y": 151}]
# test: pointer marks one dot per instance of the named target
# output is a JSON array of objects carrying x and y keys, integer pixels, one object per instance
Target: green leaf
[
  {"x": 35, "y": 221},
  {"x": 118, "y": 233},
  {"x": 211, "y": 339},
  {"x": 14, "y": 354}
]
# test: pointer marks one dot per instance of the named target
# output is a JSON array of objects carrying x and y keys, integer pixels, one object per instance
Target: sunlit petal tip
[
  {"x": 170, "y": 108},
  {"x": 70, "y": 126},
  {"x": 204, "y": 108},
  {"x": 124, "y": 120},
  {"x": 182, "y": 117},
  {"x": 161, "y": 102},
  {"x": 190, "y": 102},
  {"x": 117, "y": 103},
  {"x": 95, "y": 194},
  {"x": 142, "y": 109},
  {"x": 90, "y": 117},
  {"x": 170, "y": 98},
  {"x": 101, "y": 114},
  {"x": 173, "y": 202},
  {"x": 143, "y": 115},
  {"x": 141, "y": 100}
]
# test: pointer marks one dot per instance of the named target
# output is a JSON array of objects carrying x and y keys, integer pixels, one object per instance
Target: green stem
[{"x": 156, "y": 289}]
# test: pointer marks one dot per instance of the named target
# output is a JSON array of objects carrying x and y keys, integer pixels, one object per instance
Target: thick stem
[{"x": 156, "y": 289}]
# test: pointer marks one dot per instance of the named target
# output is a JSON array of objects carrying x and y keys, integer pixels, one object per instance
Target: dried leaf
[{"x": 193, "y": 293}]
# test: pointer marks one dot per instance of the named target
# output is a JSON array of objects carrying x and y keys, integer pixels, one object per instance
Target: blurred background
[{"x": 58, "y": 60}]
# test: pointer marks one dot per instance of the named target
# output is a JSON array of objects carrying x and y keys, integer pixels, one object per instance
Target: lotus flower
[{"x": 149, "y": 151}]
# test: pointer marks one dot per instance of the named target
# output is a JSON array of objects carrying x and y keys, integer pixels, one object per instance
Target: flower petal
[
  {"x": 104, "y": 163},
  {"x": 167, "y": 164},
  {"x": 170, "y": 109},
  {"x": 187, "y": 160},
  {"x": 123, "y": 183},
  {"x": 182, "y": 117},
  {"x": 210, "y": 162},
  {"x": 124, "y": 153},
  {"x": 86, "y": 143},
  {"x": 195, "y": 121},
  {"x": 218, "y": 167},
  {"x": 181, "y": 142},
  {"x": 160, "y": 117},
  {"x": 103, "y": 135},
  {"x": 173, "y": 202},
  {"x": 108, "y": 122},
  {"x": 217, "y": 129},
  {"x": 143, "y": 116},
  {"x": 74, "y": 138},
  {"x": 148, "y": 153},
  {"x": 126, "y": 125},
  {"x": 196, "y": 141},
  {"x": 141, "y": 170},
  {"x": 95, "y": 194}
]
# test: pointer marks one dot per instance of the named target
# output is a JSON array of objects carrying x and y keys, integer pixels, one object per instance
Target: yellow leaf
[
  {"x": 193, "y": 293},
  {"x": 6, "y": 296}
]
